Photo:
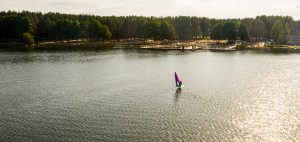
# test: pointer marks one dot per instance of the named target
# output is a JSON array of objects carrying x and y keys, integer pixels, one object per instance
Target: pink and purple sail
[{"x": 177, "y": 80}]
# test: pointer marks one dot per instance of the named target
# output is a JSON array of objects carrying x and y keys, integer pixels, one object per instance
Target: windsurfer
[{"x": 180, "y": 82}]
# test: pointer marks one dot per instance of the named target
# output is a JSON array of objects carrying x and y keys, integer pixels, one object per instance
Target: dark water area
[{"x": 130, "y": 95}]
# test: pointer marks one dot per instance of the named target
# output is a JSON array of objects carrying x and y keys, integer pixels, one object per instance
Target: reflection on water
[
  {"x": 129, "y": 95},
  {"x": 272, "y": 113},
  {"x": 177, "y": 94}
]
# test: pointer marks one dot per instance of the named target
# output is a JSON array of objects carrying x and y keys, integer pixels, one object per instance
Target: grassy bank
[
  {"x": 206, "y": 44},
  {"x": 284, "y": 48},
  {"x": 145, "y": 44},
  {"x": 82, "y": 45}
]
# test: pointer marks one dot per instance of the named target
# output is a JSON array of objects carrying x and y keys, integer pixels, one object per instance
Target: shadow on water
[{"x": 177, "y": 95}]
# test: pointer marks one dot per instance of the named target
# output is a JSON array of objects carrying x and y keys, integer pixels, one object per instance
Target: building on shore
[{"x": 292, "y": 39}]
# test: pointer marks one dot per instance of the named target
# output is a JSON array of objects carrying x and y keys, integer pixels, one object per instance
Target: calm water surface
[{"x": 129, "y": 95}]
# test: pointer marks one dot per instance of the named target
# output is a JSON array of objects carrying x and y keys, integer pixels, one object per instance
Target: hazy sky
[{"x": 208, "y": 8}]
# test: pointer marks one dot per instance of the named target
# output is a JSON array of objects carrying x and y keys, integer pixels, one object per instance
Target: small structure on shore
[{"x": 292, "y": 39}]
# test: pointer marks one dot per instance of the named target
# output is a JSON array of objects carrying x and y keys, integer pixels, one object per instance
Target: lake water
[{"x": 130, "y": 95}]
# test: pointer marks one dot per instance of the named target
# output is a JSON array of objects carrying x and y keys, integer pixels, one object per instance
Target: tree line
[{"x": 28, "y": 27}]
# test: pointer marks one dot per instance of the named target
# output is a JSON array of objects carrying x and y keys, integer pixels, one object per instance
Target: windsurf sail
[{"x": 177, "y": 80}]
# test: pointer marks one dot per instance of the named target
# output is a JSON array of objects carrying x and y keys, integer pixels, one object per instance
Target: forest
[{"x": 34, "y": 27}]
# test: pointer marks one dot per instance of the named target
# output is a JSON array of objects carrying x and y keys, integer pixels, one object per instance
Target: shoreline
[{"x": 211, "y": 45}]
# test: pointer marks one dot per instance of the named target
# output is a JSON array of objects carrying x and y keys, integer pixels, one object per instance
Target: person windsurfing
[{"x": 178, "y": 81}]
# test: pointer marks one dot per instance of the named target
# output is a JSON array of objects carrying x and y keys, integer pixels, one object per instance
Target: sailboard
[{"x": 177, "y": 82}]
